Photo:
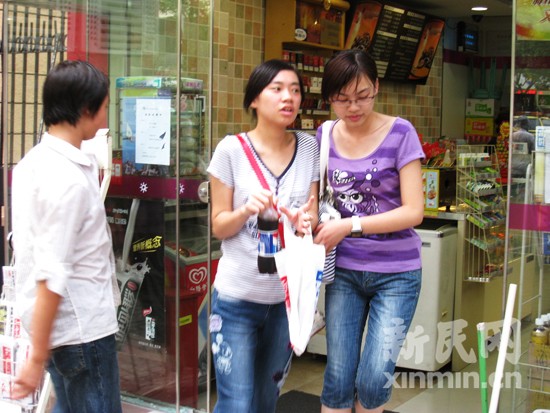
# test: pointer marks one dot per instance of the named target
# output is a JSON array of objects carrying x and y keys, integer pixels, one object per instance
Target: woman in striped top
[{"x": 248, "y": 324}]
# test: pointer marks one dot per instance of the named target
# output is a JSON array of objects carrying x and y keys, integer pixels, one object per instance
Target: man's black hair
[{"x": 70, "y": 89}]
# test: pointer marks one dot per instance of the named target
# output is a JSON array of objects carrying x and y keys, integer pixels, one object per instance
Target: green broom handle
[{"x": 482, "y": 351}]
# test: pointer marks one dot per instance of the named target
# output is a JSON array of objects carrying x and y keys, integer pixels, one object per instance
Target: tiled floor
[
  {"x": 306, "y": 375},
  {"x": 454, "y": 393},
  {"x": 458, "y": 396}
]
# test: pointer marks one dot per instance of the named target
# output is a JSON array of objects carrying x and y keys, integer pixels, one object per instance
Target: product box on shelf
[
  {"x": 439, "y": 185},
  {"x": 479, "y": 126},
  {"x": 305, "y": 61},
  {"x": 430, "y": 185},
  {"x": 307, "y": 124},
  {"x": 475, "y": 159},
  {"x": 482, "y": 108}
]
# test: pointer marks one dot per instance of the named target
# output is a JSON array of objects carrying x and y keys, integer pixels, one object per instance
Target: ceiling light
[{"x": 479, "y": 8}]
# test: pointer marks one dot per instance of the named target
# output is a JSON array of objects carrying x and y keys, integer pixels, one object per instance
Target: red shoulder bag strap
[
  {"x": 261, "y": 178},
  {"x": 253, "y": 163}
]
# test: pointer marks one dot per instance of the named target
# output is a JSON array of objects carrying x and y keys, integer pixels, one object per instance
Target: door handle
[{"x": 203, "y": 192}]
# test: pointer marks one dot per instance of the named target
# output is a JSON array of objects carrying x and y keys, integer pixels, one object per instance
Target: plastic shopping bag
[
  {"x": 300, "y": 267},
  {"x": 326, "y": 213}
]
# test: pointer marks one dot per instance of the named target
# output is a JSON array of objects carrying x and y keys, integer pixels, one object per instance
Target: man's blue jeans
[
  {"x": 86, "y": 377},
  {"x": 252, "y": 353}
]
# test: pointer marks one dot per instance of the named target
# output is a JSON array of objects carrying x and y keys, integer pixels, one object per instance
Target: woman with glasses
[{"x": 374, "y": 171}]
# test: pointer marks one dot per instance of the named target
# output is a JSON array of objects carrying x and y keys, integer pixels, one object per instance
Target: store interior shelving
[{"x": 480, "y": 196}]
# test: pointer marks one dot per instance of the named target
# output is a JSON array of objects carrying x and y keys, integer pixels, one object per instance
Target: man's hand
[{"x": 28, "y": 379}]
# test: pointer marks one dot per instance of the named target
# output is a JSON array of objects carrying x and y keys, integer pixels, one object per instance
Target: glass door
[
  {"x": 158, "y": 57},
  {"x": 528, "y": 237}
]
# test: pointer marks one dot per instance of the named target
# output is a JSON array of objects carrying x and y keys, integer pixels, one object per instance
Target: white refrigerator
[{"x": 428, "y": 345}]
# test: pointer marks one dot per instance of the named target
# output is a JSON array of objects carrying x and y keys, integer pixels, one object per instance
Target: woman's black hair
[
  {"x": 72, "y": 87},
  {"x": 261, "y": 77},
  {"x": 345, "y": 67}
]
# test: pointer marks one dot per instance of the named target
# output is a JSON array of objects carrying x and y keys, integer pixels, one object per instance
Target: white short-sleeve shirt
[{"x": 61, "y": 235}]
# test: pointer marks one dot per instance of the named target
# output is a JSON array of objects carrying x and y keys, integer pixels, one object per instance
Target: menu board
[
  {"x": 386, "y": 37},
  {"x": 402, "y": 42},
  {"x": 425, "y": 52},
  {"x": 407, "y": 43},
  {"x": 362, "y": 27}
]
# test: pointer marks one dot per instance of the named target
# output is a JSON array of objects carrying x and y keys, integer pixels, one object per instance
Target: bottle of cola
[{"x": 268, "y": 240}]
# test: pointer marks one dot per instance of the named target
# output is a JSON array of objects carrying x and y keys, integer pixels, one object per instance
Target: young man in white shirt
[{"x": 66, "y": 290}]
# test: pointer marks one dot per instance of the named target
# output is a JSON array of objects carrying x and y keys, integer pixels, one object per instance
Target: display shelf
[
  {"x": 534, "y": 367},
  {"x": 292, "y": 26},
  {"x": 148, "y": 103},
  {"x": 314, "y": 112},
  {"x": 310, "y": 46},
  {"x": 480, "y": 197},
  {"x": 306, "y": 33},
  {"x": 536, "y": 359},
  {"x": 486, "y": 244},
  {"x": 310, "y": 64}
]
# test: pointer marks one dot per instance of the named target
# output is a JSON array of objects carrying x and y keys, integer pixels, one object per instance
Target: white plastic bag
[
  {"x": 300, "y": 267},
  {"x": 327, "y": 211}
]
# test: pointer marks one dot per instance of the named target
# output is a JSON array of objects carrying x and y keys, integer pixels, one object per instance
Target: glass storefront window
[
  {"x": 528, "y": 236},
  {"x": 158, "y": 57}
]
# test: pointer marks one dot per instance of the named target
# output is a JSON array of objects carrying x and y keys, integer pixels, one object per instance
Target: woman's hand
[
  {"x": 300, "y": 218},
  {"x": 330, "y": 233},
  {"x": 228, "y": 220},
  {"x": 258, "y": 202}
]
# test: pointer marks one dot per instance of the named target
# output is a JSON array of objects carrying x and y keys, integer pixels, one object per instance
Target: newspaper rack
[{"x": 14, "y": 352}]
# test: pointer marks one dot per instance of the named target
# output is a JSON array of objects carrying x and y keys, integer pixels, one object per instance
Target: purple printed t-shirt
[{"x": 369, "y": 186}]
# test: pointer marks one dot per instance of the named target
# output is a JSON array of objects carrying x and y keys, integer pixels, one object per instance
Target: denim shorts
[
  {"x": 389, "y": 301},
  {"x": 86, "y": 378},
  {"x": 251, "y": 354}
]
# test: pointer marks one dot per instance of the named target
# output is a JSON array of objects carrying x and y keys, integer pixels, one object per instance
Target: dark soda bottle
[{"x": 268, "y": 240}]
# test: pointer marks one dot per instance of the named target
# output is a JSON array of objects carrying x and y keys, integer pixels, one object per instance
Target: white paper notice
[
  {"x": 541, "y": 187},
  {"x": 546, "y": 164},
  {"x": 153, "y": 131}
]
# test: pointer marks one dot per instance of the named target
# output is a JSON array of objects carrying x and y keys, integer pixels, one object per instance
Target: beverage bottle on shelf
[
  {"x": 268, "y": 240},
  {"x": 539, "y": 335}
]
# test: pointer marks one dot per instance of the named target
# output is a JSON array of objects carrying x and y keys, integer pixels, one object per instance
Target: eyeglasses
[{"x": 346, "y": 103}]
